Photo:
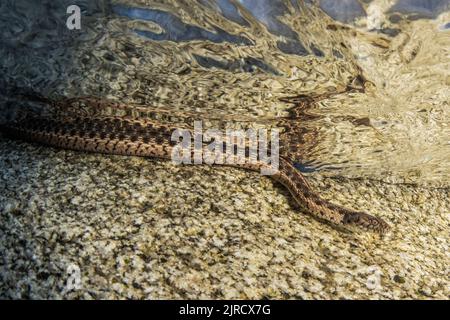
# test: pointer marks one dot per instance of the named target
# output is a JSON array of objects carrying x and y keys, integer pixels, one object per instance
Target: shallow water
[{"x": 372, "y": 76}]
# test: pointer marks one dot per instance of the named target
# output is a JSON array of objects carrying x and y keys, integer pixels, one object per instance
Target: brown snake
[{"x": 123, "y": 135}]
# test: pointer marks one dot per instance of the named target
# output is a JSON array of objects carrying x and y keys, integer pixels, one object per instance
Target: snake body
[{"x": 122, "y": 135}]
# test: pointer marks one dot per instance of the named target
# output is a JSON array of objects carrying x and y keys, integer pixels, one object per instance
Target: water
[{"x": 360, "y": 91}]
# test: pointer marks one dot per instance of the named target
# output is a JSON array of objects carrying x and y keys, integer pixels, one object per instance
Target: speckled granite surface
[{"x": 77, "y": 225}]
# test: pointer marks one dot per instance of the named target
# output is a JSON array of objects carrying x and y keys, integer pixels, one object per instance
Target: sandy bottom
[{"x": 77, "y": 225}]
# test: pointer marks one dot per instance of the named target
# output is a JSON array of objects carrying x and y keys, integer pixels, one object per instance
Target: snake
[{"x": 92, "y": 131}]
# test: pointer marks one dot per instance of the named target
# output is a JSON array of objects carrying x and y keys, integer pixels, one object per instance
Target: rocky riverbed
[{"x": 78, "y": 225}]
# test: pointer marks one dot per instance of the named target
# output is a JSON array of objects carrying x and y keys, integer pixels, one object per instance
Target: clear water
[{"x": 376, "y": 72}]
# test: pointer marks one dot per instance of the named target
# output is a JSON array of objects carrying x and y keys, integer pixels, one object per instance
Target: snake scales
[{"x": 125, "y": 135}]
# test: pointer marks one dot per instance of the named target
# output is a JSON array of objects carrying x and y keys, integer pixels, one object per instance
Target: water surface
[{"x": 360, "y": 87}]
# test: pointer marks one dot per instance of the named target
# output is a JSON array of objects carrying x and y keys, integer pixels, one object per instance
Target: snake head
[{"x": 367, "y": 222}]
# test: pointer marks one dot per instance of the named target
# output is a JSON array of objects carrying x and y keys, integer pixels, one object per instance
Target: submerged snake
[{"x": 124, "y": 135}]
